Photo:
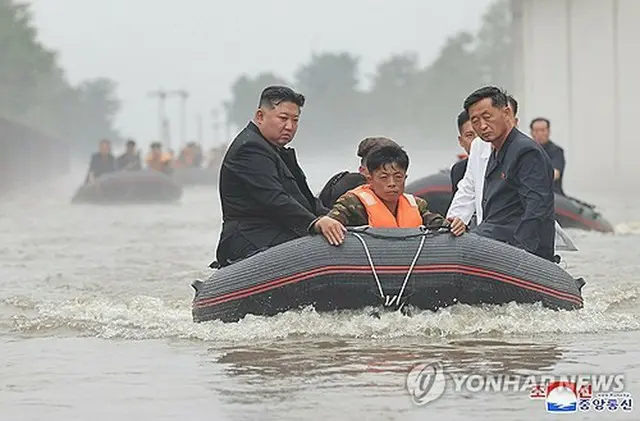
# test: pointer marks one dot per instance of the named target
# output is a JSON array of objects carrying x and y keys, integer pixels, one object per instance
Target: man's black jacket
[
  {"x": 457, "y": 173},
  {"x": 338, "y": 185},
  {"x": 265, "y": 197},
  {"x": 100, "y": 165},
  {"x": 518, "y": 202}
]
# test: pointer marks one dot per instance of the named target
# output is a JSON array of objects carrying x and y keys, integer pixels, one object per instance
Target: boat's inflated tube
[
  {"x": 383, "y": 267},
  {"x": 196, "y": 176},
  {"x": 145, "y": 186}
]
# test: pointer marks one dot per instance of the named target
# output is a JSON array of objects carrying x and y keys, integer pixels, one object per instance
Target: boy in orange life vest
[{"x": 382, "y": 202}]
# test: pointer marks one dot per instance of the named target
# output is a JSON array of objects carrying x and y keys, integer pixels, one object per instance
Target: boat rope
[{"x": 375, "y": 274}]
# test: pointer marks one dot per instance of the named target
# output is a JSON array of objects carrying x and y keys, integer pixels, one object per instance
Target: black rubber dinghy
[
  {"x": 390, "y": 268},
  {"x": 196, "y": 176},
  {"x": 570, "y": 212},
  {"x": 145, "y": 186}
]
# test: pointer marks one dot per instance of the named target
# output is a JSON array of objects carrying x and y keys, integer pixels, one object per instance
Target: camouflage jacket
[{"x": 350, "y": 211}]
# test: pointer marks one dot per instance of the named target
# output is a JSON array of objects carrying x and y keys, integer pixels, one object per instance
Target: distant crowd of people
[{"x": 191, "y": 156}]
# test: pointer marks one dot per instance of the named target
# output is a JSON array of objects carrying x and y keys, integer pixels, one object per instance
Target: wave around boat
[{"x": 392, "y": 268}]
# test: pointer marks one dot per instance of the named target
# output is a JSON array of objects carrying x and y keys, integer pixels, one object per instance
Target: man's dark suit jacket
[{"x": 265, "y": 197}]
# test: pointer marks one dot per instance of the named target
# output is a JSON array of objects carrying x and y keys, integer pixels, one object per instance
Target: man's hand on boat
[
  {"x": 457, "y": 226},
  {"x": 331, "y": 229}
]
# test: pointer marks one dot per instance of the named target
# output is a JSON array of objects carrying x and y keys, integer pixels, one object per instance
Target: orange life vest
[
  {"x": 408, "y": 215},
  {"x": 158, "y": 164}
]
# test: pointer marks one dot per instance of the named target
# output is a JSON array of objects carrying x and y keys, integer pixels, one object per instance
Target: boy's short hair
[{"x": 387, "y": 155}]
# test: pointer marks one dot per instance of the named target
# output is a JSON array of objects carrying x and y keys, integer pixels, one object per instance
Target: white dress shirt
[
  {"x": 464, "y": 202},
  {"x": 468, "y": 198}
]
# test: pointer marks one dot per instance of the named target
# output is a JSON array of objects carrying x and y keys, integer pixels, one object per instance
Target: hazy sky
[{"x": 203, "y": 45}]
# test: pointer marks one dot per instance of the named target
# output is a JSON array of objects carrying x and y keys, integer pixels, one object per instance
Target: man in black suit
[
  {"x": 102, "y": 162},
  {"x": 540, "y": 130},
  {"x": 130, "y": 159},
  {"x": 465, "y": 137},
  {"x": 264, "y": 193},
  {"x": 518, "y": 200}
]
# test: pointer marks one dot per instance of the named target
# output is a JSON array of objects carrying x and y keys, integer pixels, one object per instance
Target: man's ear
[
  {"x": 368, "y": 177},
  {"x": 259, "y": 116}
]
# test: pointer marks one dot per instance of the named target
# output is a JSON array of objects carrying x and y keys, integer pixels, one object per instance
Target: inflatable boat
[
  {"x": 570, "y": 212},
  {"x": 145, "y": 186},
  {"x": 389, "y": 268},
  {"x": 196, "y": 176}
]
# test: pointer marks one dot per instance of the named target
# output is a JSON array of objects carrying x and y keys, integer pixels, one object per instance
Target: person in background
[
  {"x": 188, "y": 157},
  {"x": 540, "y": 131},
  {"x": 198, "y": 157},
  {"x": 130, "y": 159},
  {"x": 264, "y": 193},
  {"x": 382, "y": 202},
  {"x": 465, "y": 137},
  {"x": 158, "y": 160},
  {"x": 344, "y": 181},
  {"x": 518, "y": 200},
  {"x": 102, "y": 162},
  {"x": 215, "y": 156}
]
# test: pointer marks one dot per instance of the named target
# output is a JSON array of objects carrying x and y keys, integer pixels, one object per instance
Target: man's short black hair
[
  {"x": 156, "y": 145},
  {"x": 131, "y": 142},
  {"x": 498, "y": 97},
  {"x": 535, "y": 120},
  {"x": 387, "y": 155},
  {"x": 514, "y": 104},
  {"x": 274, "y": 95},
  {"x": 463, "y": 117}
]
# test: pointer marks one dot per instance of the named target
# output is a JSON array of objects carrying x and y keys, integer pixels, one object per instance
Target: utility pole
[
  {"x": 183, "y": 95},
  {"x": 199, "y": 126},
  {"x": 166, "y": 132},
  {"x": 215, "y": 116},
  {"x": 161, "y": 95}
]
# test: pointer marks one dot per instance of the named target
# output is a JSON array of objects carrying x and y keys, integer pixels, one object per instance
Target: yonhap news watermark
[{"x": 561, "y": 393}]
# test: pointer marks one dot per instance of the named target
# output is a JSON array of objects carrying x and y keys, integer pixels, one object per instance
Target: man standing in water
[
  {"x": 540, "y": 130},
  {"x": 518, "y": 201},
  {"x": 264, "y": 193}
]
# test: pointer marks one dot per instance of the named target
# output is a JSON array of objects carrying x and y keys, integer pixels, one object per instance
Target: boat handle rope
[{"x": 387, "y": 301}]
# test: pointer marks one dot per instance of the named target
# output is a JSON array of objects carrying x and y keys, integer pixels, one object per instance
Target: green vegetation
[
  {"x": 404, "y": 98},
  {"x": 35, "y": 92}
]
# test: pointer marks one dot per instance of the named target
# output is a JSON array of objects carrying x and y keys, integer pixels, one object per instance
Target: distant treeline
[
  {"x": 35, "y": 92},
  {"x": 404, "y": 99}
]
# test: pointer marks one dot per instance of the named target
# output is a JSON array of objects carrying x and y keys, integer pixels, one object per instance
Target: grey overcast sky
[{"x": 203, "y": 45}]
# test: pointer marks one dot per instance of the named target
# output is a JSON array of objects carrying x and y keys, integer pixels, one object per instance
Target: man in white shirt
[{"x": 470, "y": 188}]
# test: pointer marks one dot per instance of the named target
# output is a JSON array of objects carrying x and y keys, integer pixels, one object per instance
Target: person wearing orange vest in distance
[
  {"x": 382, "y": 202},
  {"x": 157, "y": 160},
  {"x": 186, "y": 157}
]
